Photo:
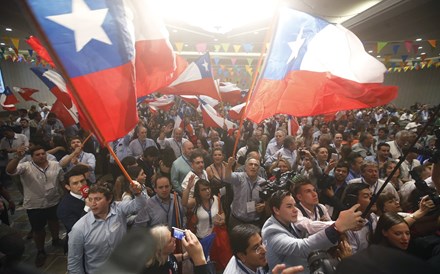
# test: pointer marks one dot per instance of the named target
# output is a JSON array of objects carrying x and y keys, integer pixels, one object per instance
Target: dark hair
[
  {"x": 75, "y": 171},
  {"x": 386, "y": 221},
  {"x": 128, "y": 161},
  {"x": 380, "y": 145},
  {"x": 59, "y": 141},
  {"x": 133, "y": 171},
  {"x": 75, "y": 138},
  {"x": 351, "y": 191},
  {"x": 200, "y": 182},
  {"x": 351, "y": 158},
  {"x": 104, "y": 188},
  {"x": 195, "y": 154},
  {"x": 205, "y": 144},
  {"x": 35, "y": 148},
  {"x": 167, "y": 156},
  {"x": 382, "y": 199},
  {"x": 288, "y": 141},
  {"x": 151, "y": 151},
  {"x": 217, "y": 149},
  {"x": 240, "y": 236},
  {"x": 277, "y": 199},
  {"x": 342, "y": 164}
]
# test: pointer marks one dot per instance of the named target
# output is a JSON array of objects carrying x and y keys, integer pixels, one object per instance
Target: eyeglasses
[{"x": 260, "y": 248}]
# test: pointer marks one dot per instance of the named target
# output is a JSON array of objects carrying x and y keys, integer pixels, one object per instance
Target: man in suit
[{"x": 287, "y": 244}]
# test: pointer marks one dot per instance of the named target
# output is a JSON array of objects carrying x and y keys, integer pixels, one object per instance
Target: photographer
[{"x": 286, "y": 244}]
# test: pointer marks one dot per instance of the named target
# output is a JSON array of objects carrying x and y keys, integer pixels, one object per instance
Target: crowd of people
[{"x": 279, "y": 196}]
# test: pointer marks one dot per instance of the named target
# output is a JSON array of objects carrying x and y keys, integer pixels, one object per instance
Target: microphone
[{"x": 85, "y": 191}]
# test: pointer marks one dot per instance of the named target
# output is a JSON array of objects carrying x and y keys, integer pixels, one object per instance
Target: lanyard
[
  {"x": 41, "y": 170},
  {"x": 242, "y": 267},
  {"x": 186, "y": 161},
  {"x": 178, "y": 146},
  {"x": 209, "y": 213},
  {"x": 160, "y": 204},
  {"x": 143, "y": 145},
  {"x": 251, "y": 189}
]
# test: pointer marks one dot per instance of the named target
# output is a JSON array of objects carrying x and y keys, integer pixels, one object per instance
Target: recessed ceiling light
[
  {"x": 8, "y": 29},
  {"x": 2, "y": 44},
  {"x": 418, "y": 58},
  {"x": 370, "y": 51},
  {"x": 11, "y": 49},
  {"x": 420, "y": 47},
  {"x": 186, "y": 45},
  {"x": 423, "y": 53},
  {"x": 215, "y": 39},
  {"x": 378, "y": 56},
  {"x": 419, "y": 39}
]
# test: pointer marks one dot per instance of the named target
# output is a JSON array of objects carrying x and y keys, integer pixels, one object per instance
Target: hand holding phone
[
  {"x": 335, "y": 156},
  {"x": 177, "y": 233}
]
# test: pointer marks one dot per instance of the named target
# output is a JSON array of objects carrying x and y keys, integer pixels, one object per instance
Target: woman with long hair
[
  {"x": 393, "y": 231},
  {"x": 205, "y": 206},
  {"x": 217, "y": 170}
]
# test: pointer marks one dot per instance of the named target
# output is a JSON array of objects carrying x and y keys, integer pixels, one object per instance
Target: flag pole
[
  {"x": 255, "y": 75},
  {"x": 77, "y": 98}
]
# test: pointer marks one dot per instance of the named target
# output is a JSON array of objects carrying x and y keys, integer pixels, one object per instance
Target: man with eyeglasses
[
  {"x": 41, "y": 188},
  {"x": 96, "y": 234},
  {"x": 250, "y": 253},
  {"x": 287, "y": 244}
]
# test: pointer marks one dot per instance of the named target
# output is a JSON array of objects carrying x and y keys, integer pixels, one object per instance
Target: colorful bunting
[
  {"x": 237, "y": 48},
  {"x": 433, "y": 43},
  {"x": 380, "y": 46},
  {"x": 179, "y": 46}
]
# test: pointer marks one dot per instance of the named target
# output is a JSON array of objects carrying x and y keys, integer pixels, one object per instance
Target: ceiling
[{"x": 392, "y": 21}]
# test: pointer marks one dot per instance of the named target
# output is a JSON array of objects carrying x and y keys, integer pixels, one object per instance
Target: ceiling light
[
  {"x": 370, "y": 51},
  {"x": 418, "y": 58},
  {"x": 420, "y": 47},
  {"x": 8, "y": 29},
  {"x": 378, "y": 56},
  {"x": 2, "y": 44},
  {"x": 419, "y": 39},
  {"x": 423, "y": 53},
  {"x": 174, "y": 30},
  {"x": 11, "y": 49},
  {"x": 186, "y": 45},
  {"x": 215, "y": 39}
]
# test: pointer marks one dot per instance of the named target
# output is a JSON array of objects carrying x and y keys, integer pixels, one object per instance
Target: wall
[{"x": 421, "y": 86}]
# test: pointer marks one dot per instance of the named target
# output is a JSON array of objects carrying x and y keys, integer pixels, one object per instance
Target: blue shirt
[{"x": 93, "y": 240}]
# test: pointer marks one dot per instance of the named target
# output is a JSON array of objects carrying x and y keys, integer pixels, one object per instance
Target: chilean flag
[
  {"x": 164, "y": 102},
  {"x": 8, "y": 100},
  {"x": 26, "y": 93},
  {"x": 230, "y": 93},
  {"x": 236, "y": 112},
  {"x": 314, "y": 67},
  {"x": 196, "y": 79},
  {"x": 68, "y": 116},
  {"x": 95, "y": 44},
  {"x": 55, "y": 83},
  {"x": 212, "y": 119}
]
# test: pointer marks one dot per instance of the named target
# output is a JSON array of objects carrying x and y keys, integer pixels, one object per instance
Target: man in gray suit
[{"x": 286, "y": 244}]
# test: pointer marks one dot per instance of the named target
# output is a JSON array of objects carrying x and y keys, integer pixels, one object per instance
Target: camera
[
  {"x": 177, "y": 233},
  {"x": 280, "y": 182},
  {"x": 325, "y": 181},
  {"x": 425, "y": 189},
  {"x": 320, "y": 262}
]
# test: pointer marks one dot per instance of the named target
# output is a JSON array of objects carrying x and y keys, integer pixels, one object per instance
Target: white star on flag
[
  {"x": 205, "y": 65},
  {"x": 85, "y": 23},
  {"x": 296, "y": 45}
]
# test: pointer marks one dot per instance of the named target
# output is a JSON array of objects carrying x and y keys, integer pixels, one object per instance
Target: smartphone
[
  {"x": 335, "y": 156},
  {"x": 177, "y": 233}
]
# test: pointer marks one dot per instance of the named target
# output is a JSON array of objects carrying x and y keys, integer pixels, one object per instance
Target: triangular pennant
[
  {"x": 415, "y": 49},
  {"x": 31, "y": 52},
  {"x": 179, "y": 46},
  {"x": 248, "y": 47},
  {"x": 15, "y": 42},
  {"x": 380, "y": 46},
  {"x": 433, "y": 43},
  {"x": 217, "y": 48},
  {"x": 404, "y": 57},
  {"x": 405, "y": 68},
  {"x": 423, "y": 57},
  {"x": 216, "y": 60},
  {"x": 225, "y": 47},
  {"x": 201, "y": 47},
  {"x": 237, "y": 48},
  {"x": 250, "y": 60},
  {"x": 408, "y": 46},
  {"x": 233, "y": 61},
  {"x": 395, "y": 49}
]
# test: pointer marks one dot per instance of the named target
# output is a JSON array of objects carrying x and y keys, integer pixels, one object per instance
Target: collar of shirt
[
  {"x": 111, "y": 212},
  {"x": 78, "y": 196}
]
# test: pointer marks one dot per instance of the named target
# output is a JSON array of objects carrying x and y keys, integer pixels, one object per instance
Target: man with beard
[{"x": 79, "y": 157}]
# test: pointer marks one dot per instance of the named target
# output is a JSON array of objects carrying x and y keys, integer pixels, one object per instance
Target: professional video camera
[
  {"x": 321, "y": 262},
  {"x": 425, "y": 189},
  {"x": 280, "y": 182}
]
